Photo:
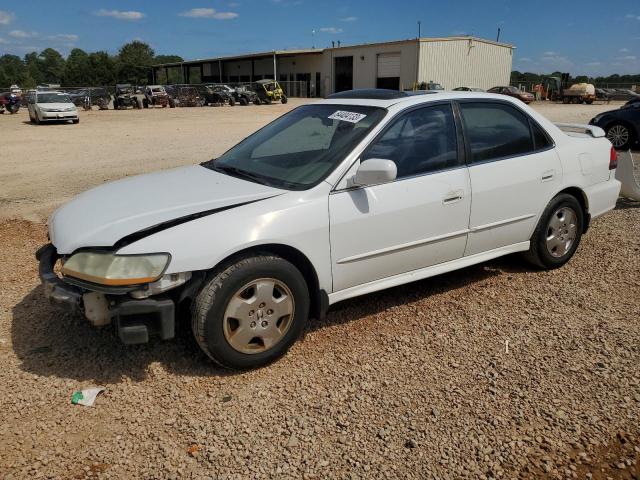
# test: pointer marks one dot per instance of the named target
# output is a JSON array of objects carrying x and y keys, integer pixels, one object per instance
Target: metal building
[{"x": 450, "y": 61}]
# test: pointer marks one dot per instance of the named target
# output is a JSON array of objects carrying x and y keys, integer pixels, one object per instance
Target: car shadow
[
  {"x": 626, "y": 203},
  {"x": 360, "y": 307},
  {"x": 48, "y": 341}
]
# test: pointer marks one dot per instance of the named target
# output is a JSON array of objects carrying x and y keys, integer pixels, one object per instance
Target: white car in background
[
  {"x": 47, "y": 106},
  {"x": 354, "y": 194}
]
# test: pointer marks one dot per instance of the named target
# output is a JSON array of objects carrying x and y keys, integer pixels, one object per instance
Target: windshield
[
  {"x": 299, "y": 149},
  {"x": 53, "y": 98}
]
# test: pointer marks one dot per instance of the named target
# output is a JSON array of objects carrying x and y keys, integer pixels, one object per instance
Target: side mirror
[{"x": 374, "y": 171}]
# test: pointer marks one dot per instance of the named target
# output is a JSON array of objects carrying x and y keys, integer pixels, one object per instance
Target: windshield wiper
[{"x": 240, "y": 173}]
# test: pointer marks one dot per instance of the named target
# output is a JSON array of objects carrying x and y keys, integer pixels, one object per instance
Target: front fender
[{"x": 297, "y": 219}]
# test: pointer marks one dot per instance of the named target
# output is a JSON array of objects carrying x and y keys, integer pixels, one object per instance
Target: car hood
[{"x": 102, "y": 216}]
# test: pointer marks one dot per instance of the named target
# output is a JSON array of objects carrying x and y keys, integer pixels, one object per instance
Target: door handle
[
  {"x": 548, "y": 175},
  {"x": 453, "y": 197}
]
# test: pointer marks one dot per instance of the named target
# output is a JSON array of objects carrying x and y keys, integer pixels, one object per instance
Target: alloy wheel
[{"x": 618, "y": 135}]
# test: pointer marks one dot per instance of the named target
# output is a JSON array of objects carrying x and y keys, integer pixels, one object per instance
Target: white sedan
[
  {"x": 361, "y": 192},
  {"x": 48, "y": 106}
]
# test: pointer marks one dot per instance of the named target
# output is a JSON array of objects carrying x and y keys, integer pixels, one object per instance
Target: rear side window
[
  {"x": 418, "y": 142},
  {"x": 495, "y": 130}
]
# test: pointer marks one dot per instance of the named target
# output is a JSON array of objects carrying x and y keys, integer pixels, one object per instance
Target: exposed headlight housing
[{"x": 107, "y": 268}]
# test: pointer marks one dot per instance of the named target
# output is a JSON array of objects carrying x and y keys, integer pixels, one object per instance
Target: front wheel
[
  {"x": 620, "y": 136},
  {"x": 284, "y": 99},
  {"x": 558, "y": 233},
  {"x": 250, "y": 313}
]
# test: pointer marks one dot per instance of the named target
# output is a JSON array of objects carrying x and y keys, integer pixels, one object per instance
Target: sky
[{"x": 581, "y": 37}]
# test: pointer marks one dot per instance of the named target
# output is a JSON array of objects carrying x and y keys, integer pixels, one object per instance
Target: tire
[
  {"x": 76, "y": 121},
  {"x": 214, "y": 328},
  {"x": 268, "y": 101},
  {"x": 558, "y": 233},
  {"x": 172, "y": 103},
  {"x": 243, "y": 102},
  {"x": 588, "y": 102},
  {"x": 620, "y": 136},
  {"x": 145, "y": 103},
  {"x": 257, "y": 101},
  {"x": 232, "y": 102},
  {"x": 284, "y": 99},
  {"x": 115, "y": 105}
]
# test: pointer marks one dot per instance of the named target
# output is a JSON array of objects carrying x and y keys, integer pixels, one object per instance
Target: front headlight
[{"x": 110, "y": 269}]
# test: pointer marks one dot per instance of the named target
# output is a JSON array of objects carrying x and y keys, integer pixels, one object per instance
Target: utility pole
[
  {"x": 419, "y": 29},
  {"x": 498, "y": 37}
]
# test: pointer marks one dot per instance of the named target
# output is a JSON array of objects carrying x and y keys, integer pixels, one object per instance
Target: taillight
[{"x": 613, "y": 159}]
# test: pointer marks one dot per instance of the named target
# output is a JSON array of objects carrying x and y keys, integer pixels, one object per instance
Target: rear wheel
[
  {"x": 558, "y": 233},
  {"x": 257, "y": 101},
  {"x": 620, "y": 136},
  {"x": 284, "y": 99},
  {"x": 243, "y": 101},
  {"x": 250, "y": 313}
]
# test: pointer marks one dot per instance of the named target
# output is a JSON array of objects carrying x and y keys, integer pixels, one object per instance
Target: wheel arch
[
  {"x": 318, "y": 297},
  {"x": 582, "y": 199}
]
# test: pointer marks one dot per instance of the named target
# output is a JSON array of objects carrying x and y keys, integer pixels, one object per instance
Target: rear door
[
  {"x": 418, "y": 220},
  {"x": 514, "y": 171}
]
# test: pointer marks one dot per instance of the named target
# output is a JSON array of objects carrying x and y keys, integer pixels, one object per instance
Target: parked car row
[{"x": 47, "y": 103}]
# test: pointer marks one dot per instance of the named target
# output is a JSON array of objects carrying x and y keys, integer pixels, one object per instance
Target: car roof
[{"x": 415, "y": 99}]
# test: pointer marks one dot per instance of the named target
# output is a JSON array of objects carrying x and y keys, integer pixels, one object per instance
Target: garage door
[{"x": 389, "y": 65}]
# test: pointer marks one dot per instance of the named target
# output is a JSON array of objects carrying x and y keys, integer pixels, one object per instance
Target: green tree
[
  {"x": 34, "y": 70},
  {"x": 103, "y": 69},
  {"x": 51, "y": 65},
  {"x": 77, "y": 69},
  {"x": 134, "y": 60},
  {"x": 12, "y": 71}
]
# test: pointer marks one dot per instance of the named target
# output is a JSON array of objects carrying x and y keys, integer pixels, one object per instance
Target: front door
[
  {"x": 514, "y": 172},
  {"x": 418, "y": 220}
]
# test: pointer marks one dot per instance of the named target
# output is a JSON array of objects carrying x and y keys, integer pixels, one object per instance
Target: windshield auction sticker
[{"x": 351, "y": 117}]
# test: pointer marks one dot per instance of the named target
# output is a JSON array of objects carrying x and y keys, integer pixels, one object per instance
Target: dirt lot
[{"x": 496, "y": 371}]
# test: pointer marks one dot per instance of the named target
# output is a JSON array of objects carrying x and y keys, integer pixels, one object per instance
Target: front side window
[
  {"x": 495, "y": 130},
  {"x": 421, "y": 141},
  {"x": 299, "y": 149}
]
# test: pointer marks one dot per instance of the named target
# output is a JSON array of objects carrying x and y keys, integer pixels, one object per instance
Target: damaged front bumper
[{"x": 135, "y": 318}]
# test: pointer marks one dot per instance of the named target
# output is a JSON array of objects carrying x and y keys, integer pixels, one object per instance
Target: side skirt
[{"x": 426, "y": 272}]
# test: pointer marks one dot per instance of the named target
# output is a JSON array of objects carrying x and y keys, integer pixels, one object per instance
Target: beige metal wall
[
  {"x": 464, "y": 63},
  {"x": 365, "y": 64}
]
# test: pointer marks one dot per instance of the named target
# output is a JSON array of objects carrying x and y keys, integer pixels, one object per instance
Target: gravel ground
[{"x": 495, "y": 371}]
